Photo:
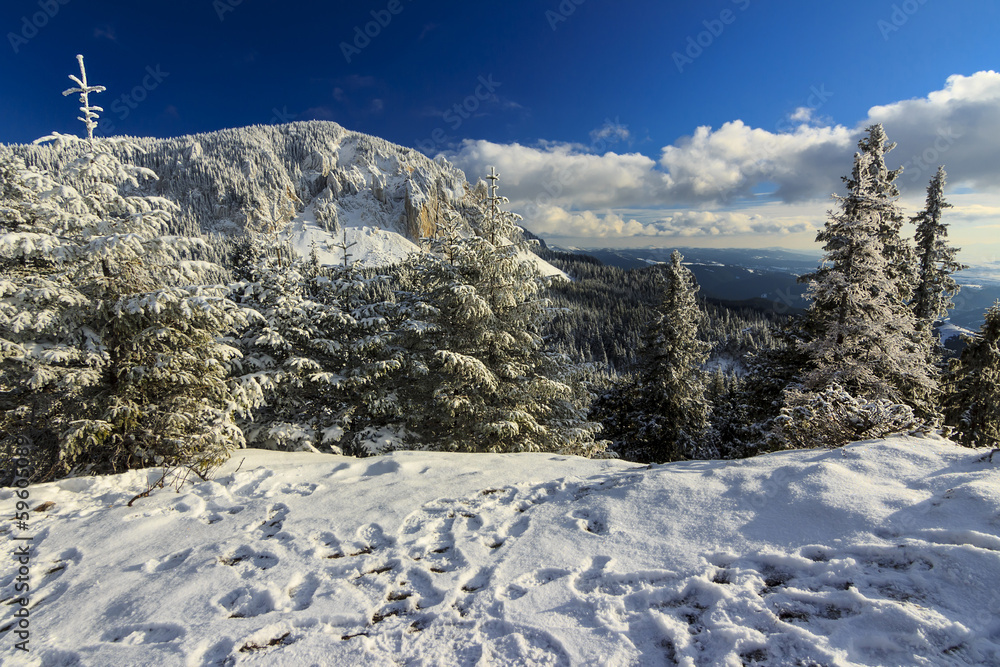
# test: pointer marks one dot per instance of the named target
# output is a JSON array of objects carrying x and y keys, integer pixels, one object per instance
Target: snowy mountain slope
[
  {"x": 298, "y": 173},
  {"x": 884, "y": 552},
  {"x": 371, "y": 246}
]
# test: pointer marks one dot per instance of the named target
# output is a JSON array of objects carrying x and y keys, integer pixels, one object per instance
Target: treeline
[{"x": 602, "y": 312}]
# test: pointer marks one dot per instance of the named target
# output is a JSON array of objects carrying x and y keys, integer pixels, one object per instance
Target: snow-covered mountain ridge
[
  {"x": 315, "y": 177},
  {"x": 882, "y": 552}
]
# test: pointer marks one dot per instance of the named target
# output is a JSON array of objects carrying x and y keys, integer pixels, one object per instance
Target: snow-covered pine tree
[
  {"x": 972, "y": 387},
  {"x": 479, "y": 378},
  {"x": 898, "y": 251},
  {"x": 665, "y": 406},
  {"x": 936, "y": 260},
  {"x": 109, "y": 337},
  {"x": 318, "y": 359},
  {"x": 862, "y": 331}
]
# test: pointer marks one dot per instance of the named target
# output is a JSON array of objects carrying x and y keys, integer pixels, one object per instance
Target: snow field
[
  {"x": 884, "y": 552},
  {"x": 370, "y": 245}
]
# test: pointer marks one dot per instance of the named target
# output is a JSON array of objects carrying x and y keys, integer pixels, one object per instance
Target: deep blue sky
[
  {"x": 265, "y": 62},
  {"x": 607, "y": 60}
]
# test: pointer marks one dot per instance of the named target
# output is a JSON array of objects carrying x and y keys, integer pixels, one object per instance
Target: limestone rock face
[
  {"x": 262, "y": 172},
  {"x": 315, "y": 180}
]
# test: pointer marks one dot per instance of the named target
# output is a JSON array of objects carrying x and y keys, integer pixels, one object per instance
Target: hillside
[
  {"x": 315, "y": 181},
  {"x": 878, "y": 553}
]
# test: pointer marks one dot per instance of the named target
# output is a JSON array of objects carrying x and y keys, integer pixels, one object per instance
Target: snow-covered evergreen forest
[{"x": 158, "y": 310}]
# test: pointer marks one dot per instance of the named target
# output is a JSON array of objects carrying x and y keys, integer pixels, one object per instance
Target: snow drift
[{"x": 883, "y": 552}]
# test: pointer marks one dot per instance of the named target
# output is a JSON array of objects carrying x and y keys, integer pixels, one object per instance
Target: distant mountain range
[{"x": 770, "y": 277}]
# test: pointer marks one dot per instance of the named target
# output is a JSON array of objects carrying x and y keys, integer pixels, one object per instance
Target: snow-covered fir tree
[
  {"x": 110, "y": 330},
  {"x": 861, "y": 328},
  {"x": 897, "y": 250},
  {"x": 936, "y": 261},
  {"x": 662, "y": 413},
  {"x": 318, "y": 355},
  {"x": 479, "y": 377},
  {"x": 972, "y": 387}
]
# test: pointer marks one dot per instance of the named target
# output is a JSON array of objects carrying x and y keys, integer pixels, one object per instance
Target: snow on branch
[{"x": 90, "y": 116}]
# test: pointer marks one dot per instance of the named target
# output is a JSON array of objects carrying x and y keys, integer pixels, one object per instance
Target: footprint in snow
[
  {"x": 519, "y": 528},
  {"x": 149, "y": 633},
  {"x": 252, "y": 486},
  {"x": 245, "y": 555},
  {"x": 266, "y": 639},
  {"x": 327, "y": 545},
  {"x": 371, "y": 537},
  {"x": 167, "y": 563},
  {"x": 303, "y": 490},
  {"x": 301, "y": 591},
  {"x": 589, "y": 521},
  {"x": 247, "y": 602},
  {"x": 275, "y": 520}
]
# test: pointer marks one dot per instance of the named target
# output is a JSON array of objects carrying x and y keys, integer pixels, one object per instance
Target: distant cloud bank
[{"x": 570, "y": 190}]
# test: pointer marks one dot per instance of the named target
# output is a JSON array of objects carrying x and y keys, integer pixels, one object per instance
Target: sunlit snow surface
[
  {"x": 369, "y": 246},
  {"x": 885, "y": 552}
]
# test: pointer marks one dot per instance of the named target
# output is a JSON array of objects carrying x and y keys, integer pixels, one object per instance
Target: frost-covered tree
[
  {"x": 479, "y": 377},
  {"x": 862, "y": 329},
  {"x": 110, "y": 334},
  {"x": 936, "y": 260},
  {"x": 972, "y": 387},
  {"x": 318, "y": 356},
  {"x": 880, "y": 183},
  {"x": 662, "y": 413},
  {"x": 833, "y": 417}
]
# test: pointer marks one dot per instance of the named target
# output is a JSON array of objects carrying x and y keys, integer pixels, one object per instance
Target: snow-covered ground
[{"x": 884, "y": 552}]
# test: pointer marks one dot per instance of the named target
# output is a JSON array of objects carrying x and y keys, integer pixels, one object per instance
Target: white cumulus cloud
[{"x": 559, "y": 186}]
